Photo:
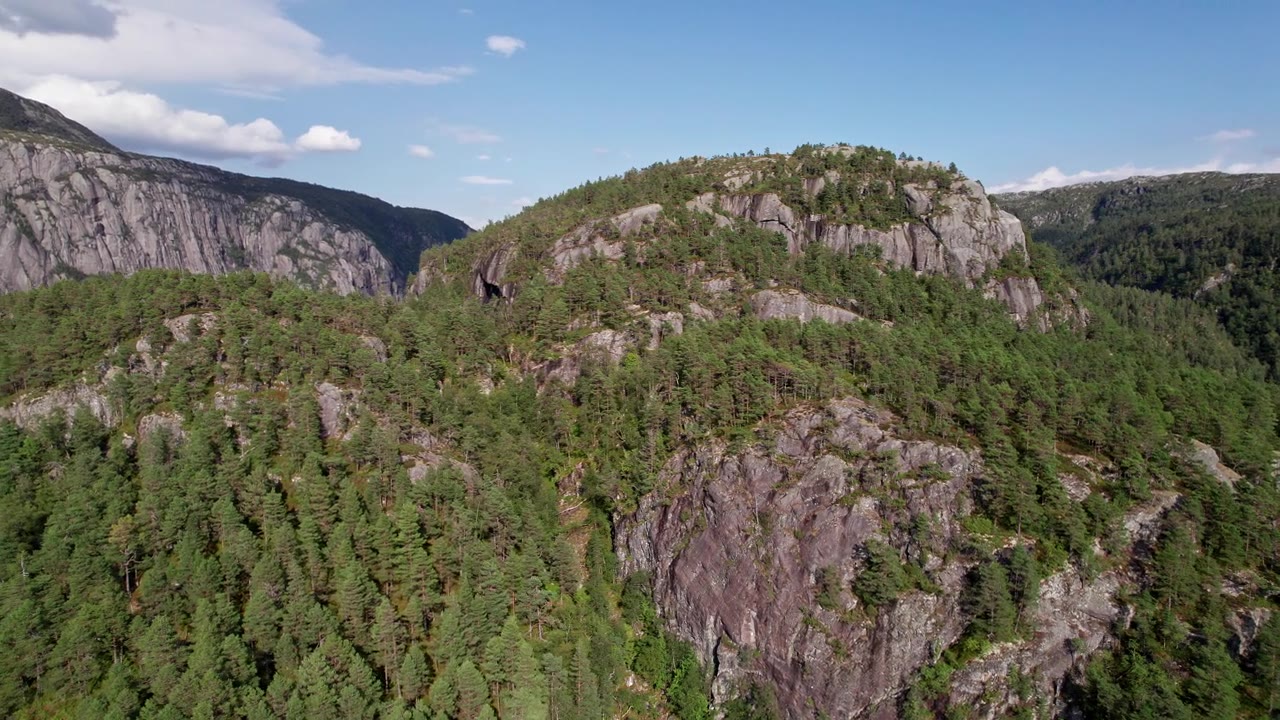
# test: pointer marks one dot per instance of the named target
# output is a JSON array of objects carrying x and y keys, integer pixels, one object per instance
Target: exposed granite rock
[
  {"x": 608, "y": 345},
  {"x": 72, "y": 212},
  {"x": 376, "y": 346},
  {"x": 488, "y": 276},
  {"x": 181, "y": 326},
  {"x": 698, "y": 312},
  {"x": 1245, "y": 624},
  {"x": 1142, "y": 524},
  {"x": 772, "y": 304},
  {"x": 336, "y": 408},
  {"x": 734, "y": 543},
  {"x": 919, "y": 203},
  {"x": 663, "y": 325},
  {"x": 603, "y": 239},
  {"x": 167, "y": 422},
  {"x": 1207, "y": 458},
  {"x": 29, "y": 412},
  {"x": 959, "y": 232},
  {"x": 1073, "y": 618},
  {"x": 1023, "y": 297}
]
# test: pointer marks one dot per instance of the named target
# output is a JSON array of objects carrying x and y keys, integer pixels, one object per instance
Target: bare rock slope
[{"x": 72, "y": 205}]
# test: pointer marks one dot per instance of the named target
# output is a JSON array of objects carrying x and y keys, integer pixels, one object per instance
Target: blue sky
[{"x": 520, "y": 100}]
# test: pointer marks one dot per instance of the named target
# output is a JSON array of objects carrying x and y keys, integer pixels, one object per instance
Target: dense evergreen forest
[
  {"x": 448, "y": 554},
  {"x": 1211, "y": 237}
]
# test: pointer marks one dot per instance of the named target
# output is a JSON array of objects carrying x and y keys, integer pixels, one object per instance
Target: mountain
[
  {"x": 1208, "y": 237},
  {"x": 747, "y": 436},
  {"x": 74, "y": 205}
]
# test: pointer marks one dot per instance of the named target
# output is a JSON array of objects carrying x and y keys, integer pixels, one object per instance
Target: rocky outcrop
[
  {"x": 29, "y": 412},
  {"x": 182, "y": 327},
  {"x": 489, "y": 275},
  {"x": 956, "y": 232},
  {"x": 1207, "y": 459},
  {"x": 337, "y": 406},
  {"x": 1073, "y": 619},
  {"x": 1023, "y": 297},
  {"x": 609, "y": 346},
  {"x": 168, "y": 423},
  {"x": 773, "y": 305},
  {"x": 73, "y": 208},
  {"x": 739, "y": 546},
  {"x": 735, "y": 542},
  {"x": 600, "y": 239}
]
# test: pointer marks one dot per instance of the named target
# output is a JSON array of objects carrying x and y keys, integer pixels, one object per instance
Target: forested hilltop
[
  {"x": 799, "y": 435},
  {"x": 1210, "y": 237}
]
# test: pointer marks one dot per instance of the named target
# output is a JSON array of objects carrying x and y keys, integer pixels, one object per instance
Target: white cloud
[
  {"x": 523, "y": 202},
  {"x": 1226, "y": 136},
  {"x": 504, "y": 45},
  {"x": 466, "y": 11},
  {"x": 146, "y": 122},
  {"x": 600, "y": 150},
  {"x": 57, "y": 17},
  {"x": 485, "y": 180},
  {"x": 1053, "y": 177},
  {"x": 482, "y": 157},
  {"x": 465, "y": 134},
  {"x": 1266, "y": 166},
  {"x": 244, "y": 44},
  {"x": 323, "y": 138},
  {"x": 421, "y": 151}
]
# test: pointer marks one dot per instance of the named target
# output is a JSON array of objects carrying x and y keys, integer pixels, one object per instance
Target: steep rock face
[
  {"x": 73, "y": 205},
  {"x": 29, "y": 411},
  {"x": 956, "y": 232},
  {"x": 738, "y": 543},
  {"x": 772, "y": 305},
  {"x": 735, "y": 544},
  {"x": 594, "y": 238}
]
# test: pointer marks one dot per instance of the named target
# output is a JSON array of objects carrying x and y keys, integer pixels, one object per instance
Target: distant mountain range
[{"x": 73, "y": 204}]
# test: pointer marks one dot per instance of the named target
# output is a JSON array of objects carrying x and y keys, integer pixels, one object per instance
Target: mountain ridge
[{"x": 75, "y": 205}]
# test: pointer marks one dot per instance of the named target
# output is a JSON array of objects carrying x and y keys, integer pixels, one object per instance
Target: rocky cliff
[
  {"x": 73, "y": 205},
  {"x": 740, "y": 545}
]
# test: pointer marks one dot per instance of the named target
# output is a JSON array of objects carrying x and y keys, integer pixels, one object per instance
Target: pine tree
[
  {"x": 989, "y": 603},
  {"x": 1024, "y": 584}
]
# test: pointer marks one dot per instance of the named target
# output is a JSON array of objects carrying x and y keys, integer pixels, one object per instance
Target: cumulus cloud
[
  {"x": 323, "y": 138},
  {"x": 57, "y": 17},
  {"x": 421, "y": 151},
  {"x": 465, "y": 134},
  {"x": 146, "y": 122},
  {"x": 241, "y": 44},
  {"x": 1225, "y": 136},
  {"x": 485, "y": 180},
  {"x": 504, "y": 45},
  {"x": 482, "y": 157},
  {"x": 1053, "y": 177}
]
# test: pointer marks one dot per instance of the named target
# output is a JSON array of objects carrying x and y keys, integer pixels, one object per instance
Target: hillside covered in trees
[
  {"x": 232, "y": 497},
  {"x": 1210, "y": 237}
]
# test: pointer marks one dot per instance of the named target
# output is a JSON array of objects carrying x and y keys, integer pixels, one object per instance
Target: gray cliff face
[
  {"x": 73, "y": 213},
  {"x": 737, "y": 545},
  {"x": 71, "y": 205},
  {"x": 956, "y": 232},
  {"x": 774, "y": 305}
]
